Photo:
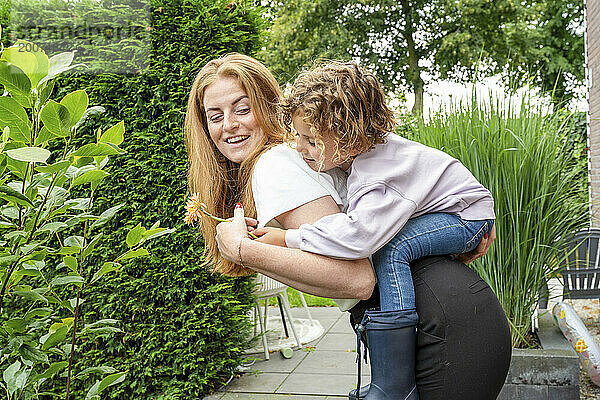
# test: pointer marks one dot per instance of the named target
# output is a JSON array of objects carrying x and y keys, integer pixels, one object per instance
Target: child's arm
[{"x": 375, "y": 215}]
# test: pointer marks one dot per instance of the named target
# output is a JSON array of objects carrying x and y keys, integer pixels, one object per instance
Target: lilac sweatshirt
[{"x": 387, "y": 186}]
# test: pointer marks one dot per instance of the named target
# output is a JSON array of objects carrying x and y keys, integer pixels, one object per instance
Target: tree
[{"x": 408, "y": 41}]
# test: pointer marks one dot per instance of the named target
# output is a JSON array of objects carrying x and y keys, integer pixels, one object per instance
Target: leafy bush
[
  {"x": 184, "y": 329},
  {"x": 47, "y": 225},
  {"x": 526, "y": 160}
]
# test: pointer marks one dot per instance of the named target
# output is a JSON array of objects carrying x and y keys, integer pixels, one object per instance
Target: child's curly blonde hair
[{"x": 343, "y": 100}]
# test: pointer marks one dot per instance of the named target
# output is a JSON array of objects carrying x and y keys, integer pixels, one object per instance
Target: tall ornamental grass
[{"x": 522, "y": 156}]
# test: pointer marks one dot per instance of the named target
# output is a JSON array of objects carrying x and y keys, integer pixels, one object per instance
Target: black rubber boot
[
  {"x": 392, "y": 340},
  {"x": 363, "y": 392}
]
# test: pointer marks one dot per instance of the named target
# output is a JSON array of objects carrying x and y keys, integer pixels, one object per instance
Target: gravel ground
[{"x": 589, "y": 312}]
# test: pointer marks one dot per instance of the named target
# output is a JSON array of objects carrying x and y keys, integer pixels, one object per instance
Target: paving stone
[
  {"x": 265, "y": 382},
  {"x": 341, "y": 326},
  {"x": 337, "y": 341},
  {"x": 325, "y": 384},
  {"x": 532, "y": 392},
  {"x": 276, "y": 363},
  {"x": 508, "y": 392},
  {"x": 563, "y": 392},
  {"x": 263, "y": 396},
  {"x": 215, "y": 396},
  {"x": 325, "y": 362},
  {"x": 328, "y": 323},
  {"x": 550, "y": 334}
]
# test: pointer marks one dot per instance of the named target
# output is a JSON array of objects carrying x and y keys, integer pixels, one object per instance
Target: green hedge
[{"x": 184, "y": 328}]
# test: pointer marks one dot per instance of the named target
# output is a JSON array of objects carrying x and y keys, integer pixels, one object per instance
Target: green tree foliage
[
  {"x": 408, "y": 41},
  {"x": 184, "y": 329}
]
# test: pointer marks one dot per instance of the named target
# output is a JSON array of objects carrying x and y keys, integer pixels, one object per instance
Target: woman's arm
[{"x": 308, "y": 272}]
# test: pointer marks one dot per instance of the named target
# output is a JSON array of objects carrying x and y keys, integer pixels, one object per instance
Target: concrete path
[{"x": 323, "y": 369}]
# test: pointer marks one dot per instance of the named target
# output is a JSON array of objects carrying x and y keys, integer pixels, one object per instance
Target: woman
[{"x": 232, "y": 133}]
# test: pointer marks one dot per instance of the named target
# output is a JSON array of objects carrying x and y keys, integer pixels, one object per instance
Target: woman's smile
[{"x": 230, "y": 119}]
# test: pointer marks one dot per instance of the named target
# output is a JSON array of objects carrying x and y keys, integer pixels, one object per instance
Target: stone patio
[{"x": 322, "y": 369}]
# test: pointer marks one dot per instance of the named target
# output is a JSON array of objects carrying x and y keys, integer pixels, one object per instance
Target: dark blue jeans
[{"x": 426, "y": 235}]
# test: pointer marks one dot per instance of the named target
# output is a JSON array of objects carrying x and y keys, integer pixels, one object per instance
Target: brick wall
[{"x": 593, "y": 72}]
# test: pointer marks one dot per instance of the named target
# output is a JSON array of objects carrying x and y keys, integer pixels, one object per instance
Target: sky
[{"x": 439, "y": 94}]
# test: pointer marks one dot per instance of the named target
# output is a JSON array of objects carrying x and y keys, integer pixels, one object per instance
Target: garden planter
[{"x": 549, "y": 373}]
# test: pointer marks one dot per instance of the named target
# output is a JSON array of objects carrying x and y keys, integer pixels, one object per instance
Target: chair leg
[
  {"x": 255, "y": 319},
  {"x": 286, "y": 307},
  {"x": 265, "y": 313},
  {"x": 303, "y": 300},
  {"x": 263, "y": 331}
]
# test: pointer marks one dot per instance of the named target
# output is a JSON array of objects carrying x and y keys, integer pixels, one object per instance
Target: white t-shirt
[{"x": 282, "y": 181}]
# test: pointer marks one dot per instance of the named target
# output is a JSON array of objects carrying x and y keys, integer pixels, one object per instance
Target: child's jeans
[{"x": 426, "y": 235}]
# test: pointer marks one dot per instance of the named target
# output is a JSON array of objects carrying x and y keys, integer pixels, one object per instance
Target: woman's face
[{"x": 230, "y": 118}]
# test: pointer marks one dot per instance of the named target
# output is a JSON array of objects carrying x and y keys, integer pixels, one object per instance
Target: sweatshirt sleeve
[{"x": 375, "y": 216}]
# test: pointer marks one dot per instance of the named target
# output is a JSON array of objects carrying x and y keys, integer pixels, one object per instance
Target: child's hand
[
  {"x": 480, "y": 250},
  {"x": 274, "y": 236}
]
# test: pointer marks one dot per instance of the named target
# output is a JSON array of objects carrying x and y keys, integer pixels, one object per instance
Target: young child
[{"x": 405, "y": 201}]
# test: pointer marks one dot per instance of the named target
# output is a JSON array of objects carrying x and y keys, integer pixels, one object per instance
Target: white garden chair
[{"x": 264, "y": 290}]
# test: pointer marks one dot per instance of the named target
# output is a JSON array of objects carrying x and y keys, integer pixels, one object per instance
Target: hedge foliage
[{"x": 184, "y": 328}]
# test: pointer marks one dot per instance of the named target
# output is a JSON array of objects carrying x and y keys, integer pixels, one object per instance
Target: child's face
[{"x": 306, "y": 146}]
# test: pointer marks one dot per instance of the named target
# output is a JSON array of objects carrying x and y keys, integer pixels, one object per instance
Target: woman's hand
[
  {"x": 274, "y": 236},
  {"x": 230, "y": 235},
  {"x": 480, "y": 250}
]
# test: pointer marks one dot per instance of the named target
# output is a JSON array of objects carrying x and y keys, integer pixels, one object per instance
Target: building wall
[{"x": 593, "y": 74}]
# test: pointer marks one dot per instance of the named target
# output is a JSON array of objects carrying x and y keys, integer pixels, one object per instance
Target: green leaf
[
  {"x": 44, "y": 135},
  {"x": 94, "y": 150},
  {"x": 46, "y": 92},
  {"x": 90, "y": 247},
  {"x": 27, "y": 272},
  {"x": 17, "y": 324},
  {"x": 76, "y": 102},
  {"x": 56, "y": 119},
  {"x": 52, "y": 370},
  {"x": 107, "y": 215},
  {"x": 42, "y": 67},
  {"x": 133, "y": 254},
  {"x": 71, "y": 263},
  {"x": 158, "y": 232},
  {"x": 5, "y": 261},
  {"x": 105, "y": 269},
  {"x": 29, "y": 154},
  {"x": 74, "y": 241},
  {"x": 93, "y": 177},
  {"x": 3, "y": 163},
  {"x": 135, "y": 235},
  {"x": 32, "y": 354},
  {"x": 52, "y": 168},
  {"x": 33, "y": 295},
  {"x": 25, "y": 60},
  {"x": 67, "y": 280},
  {"x": 38, "y": 312},
  {"x": 55, "y": 337},
  {"x": 99, "y": 386},
  {"x": 15, "y": 117},
  {"x": 10, "y": 376},
  {"x": 53, "y": 227},
  {"x": 10, "y": 194},
  {"x": 90, "y": 111},
  {"x": 13, "y": 345},
  {"x": 14, "y": 79},
  {"x": 114, "y": 134},
  {"x": 96, "y": 370},
  {"x": 58, "y": 64},
  {"x": 69, "y": 250}
]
